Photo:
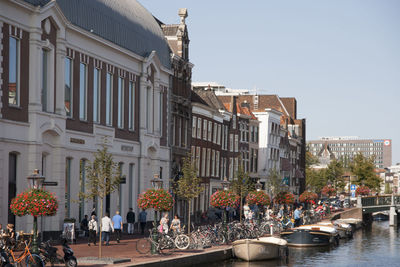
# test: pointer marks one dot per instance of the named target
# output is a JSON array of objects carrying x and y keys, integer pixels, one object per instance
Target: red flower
[
  {"x": 258, "y": 198},
  {"x": 35, "y": 202},
  {"x": 308, "y": 197},
  {"x": 224, "y": 199},
  {"x": 159, "y": 199}
]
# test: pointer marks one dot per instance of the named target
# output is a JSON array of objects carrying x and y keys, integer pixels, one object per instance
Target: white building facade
[{"x": 70, "y": 84}]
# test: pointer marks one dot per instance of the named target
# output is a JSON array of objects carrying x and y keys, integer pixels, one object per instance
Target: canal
[{"x": 376, "y": 245}]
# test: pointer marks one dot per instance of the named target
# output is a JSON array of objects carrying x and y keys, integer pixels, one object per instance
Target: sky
[{"x": 340, "y": 59}]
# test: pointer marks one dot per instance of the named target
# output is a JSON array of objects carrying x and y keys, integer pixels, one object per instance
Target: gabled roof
[
  {"x": 210, "y": 98},
  {"x": 123, "y": 22},
  {"x": 197, "y": 99}
]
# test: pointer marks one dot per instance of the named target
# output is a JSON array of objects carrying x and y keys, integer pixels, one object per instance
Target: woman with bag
[{"x": 92, "y": 225}]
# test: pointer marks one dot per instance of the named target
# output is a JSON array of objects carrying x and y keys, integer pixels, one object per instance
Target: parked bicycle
[
  {"x": 163, "y": 242},
  {"x": 31, "y": 260}
]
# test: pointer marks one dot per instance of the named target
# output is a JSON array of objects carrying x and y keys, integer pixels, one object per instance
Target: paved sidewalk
[{"x": 127, "y": 249}]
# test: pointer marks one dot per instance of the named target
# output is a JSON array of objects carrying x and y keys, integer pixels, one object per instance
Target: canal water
[{"x": 376, "y": 245}]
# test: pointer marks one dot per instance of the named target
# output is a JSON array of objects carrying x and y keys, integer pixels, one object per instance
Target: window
[
  {"x": 109, "y": 88},
  {"x": 68, "y": 187},
  {"x": 234, "y": 121},
  {"x": 208, "y": 161},
  {"x": 120, "y": 102},
  {"x": 223, "y": 137},
  {"x": 68, "y": 90},
  {"x": 217, "y": 163},
  {"x": 12, "y": 183},
  {"x": 236, "y": 166},
  {"x": 131, "y": 106},
  {"x": 199, "y": 128},
  {"x": 179, "y": 131},
  {"x": 131, "y": 184},
  {"x": 219, "y": 134},
  {"x": 236, "y": 143},
  {"x": 82, "y": 91},
  {"x": 185, "y": 132},
  {"x": 203, "y": 162},
  {"x": 210, "y": 131},
  {"x": 160, "y": 112},
  {"x": 96, "y": 95},
  {"x": 204, "y": 129},
  {"x": 120, "y": 197},
  {"x": 226, "y": 137},
  {"x": 230, "y": 168},
  {"x": 149, "y": 114},
  {"x": 215, "y": 130},
  {"x": 198, "y": 160},
  {"x": 213, "y": 162},
  {"x": 231, "y": 142},
  {"x": 256, "y": 134},
  {"x": 14, "y": 73},
  {"x": 193, "y": 154},
  {"x": 45, "y": 70},
  {"x": 194, "y": 121}
]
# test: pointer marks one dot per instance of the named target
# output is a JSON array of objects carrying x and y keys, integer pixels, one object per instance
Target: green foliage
[
  {"x": 388, "y": 190},
  {"x": 310, "y": 159},
  {"x": 242, "y": 184},
  {"x": 334, "y": 174},
  {"x": 363, "y": 169},
  {"x": 275, "y": 182},
  {"x": 316, "y": 179},
  {"x": 102, "y": 175},
  {"x": 189, "y": 185}
]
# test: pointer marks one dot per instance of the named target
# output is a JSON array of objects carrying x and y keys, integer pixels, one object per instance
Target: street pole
[{"x": 35, "y": 248}]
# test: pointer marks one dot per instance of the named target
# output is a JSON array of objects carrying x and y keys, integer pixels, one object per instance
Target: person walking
[
  {"x": 93, "y": 229},
  {"x": 297, "y": 216},
  {"x": 163, "y": 227},
  {"x": 106, "y": 228},
  {"x": 117, "y": 224},
  {"x": 130, "y": 219},
  {"x": 142, "y": 220},
  {"x": 84, "y": 226}
]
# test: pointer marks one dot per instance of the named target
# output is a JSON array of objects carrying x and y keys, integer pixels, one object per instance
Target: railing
[{"x": 380, "y": 200}]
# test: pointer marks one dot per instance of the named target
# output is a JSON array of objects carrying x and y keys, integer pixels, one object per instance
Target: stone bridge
[{"x": 381, "y": 203}]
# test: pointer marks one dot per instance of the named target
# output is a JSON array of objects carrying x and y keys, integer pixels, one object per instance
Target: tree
[
  {"x": 363, "y": 168},
  {"x": 102, "y": 178},
  {"x": 316, "y": 179},
  {"x": 242, "y": 185},
  {"x": 189, "y": 185},
  {"x": 334, "y": 174},
  {"x": 310, "y": 159},
  {"x": 275, "y": 182}
]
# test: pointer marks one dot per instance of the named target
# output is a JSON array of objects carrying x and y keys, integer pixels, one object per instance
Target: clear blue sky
[{"x": 340, "y": 59}]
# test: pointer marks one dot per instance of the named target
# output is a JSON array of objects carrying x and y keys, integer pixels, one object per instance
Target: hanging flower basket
[
  {"x": 284, "y": 198},
  {"x": 158, "y": 199},
  {"x": 224, "y": 199},
  {"x": 34, "y": 202},
  {"x": 308, "y": 197},
  {"x": 259, "y": 198},
  {"x": 362, "y": 190},
  {"x": 328, "y": 190}
]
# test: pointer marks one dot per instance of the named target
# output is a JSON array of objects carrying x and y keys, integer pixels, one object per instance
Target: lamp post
[
  {"x": 157, "y": 183},
  {"x": 225, "y": 185},
  {"x": 258, "y": 187},
  {"x": 35, "y": 182}
]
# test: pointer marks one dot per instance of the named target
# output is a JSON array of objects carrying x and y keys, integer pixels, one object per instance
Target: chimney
[{"x": 183, "y": 14}]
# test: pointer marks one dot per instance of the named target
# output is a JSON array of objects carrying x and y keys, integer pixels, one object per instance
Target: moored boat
[
  {"x": 380, "y": 216},
  {"x": 355, "y": 223},
  {"x": 263, "y": 248},
  {"x": 311, "y": 236},
  {"x": 344, "y": 229}
]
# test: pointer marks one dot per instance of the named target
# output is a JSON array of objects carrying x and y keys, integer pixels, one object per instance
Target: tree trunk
[
  {"x": 101, "y": 215},
  {"x": 241, "y": 205},
  {"x": 189, "y": 218}
]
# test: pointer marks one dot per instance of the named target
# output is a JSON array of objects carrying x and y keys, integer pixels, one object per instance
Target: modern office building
[{"x": 344, "y": 148}]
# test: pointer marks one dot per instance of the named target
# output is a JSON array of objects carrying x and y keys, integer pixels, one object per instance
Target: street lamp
[
  {"x": 258, "y": 185},
  {"x": 157, "y": 183},
  {"x": 225, "y": 184},
  {"x": 35, "y": 182}
]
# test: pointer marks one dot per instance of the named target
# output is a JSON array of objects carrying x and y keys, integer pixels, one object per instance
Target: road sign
[{"x": 353, "y": 187}]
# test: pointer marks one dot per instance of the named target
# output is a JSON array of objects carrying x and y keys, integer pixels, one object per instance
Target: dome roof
[{"x": 124, "y": 22}]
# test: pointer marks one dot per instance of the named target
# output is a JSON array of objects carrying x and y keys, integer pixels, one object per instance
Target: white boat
[
  {"x": 263, "y": 248},
  {"x": 345, "y": 230},
  {"x": 355, "y": 223}
]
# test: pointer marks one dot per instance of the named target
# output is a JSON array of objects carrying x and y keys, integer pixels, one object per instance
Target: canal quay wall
[{"x": 218, "y": 255}]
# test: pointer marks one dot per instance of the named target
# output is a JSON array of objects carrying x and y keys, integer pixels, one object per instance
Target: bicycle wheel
[
  {"x": 220, "y": 238},
  {"x": 34, "y": 260},
  {"x": 71, "y": 262},
  {"x": 143, "y": 246},
  {"x": 182, "y": 241}
]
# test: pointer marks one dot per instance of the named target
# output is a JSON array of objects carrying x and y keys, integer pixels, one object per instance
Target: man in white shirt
[{"x": 106, "y": 228}]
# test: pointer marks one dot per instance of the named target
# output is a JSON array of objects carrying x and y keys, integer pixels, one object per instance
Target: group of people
[
  {"x": 175, "y": 224},
  {"x": 111, "y": 225}
]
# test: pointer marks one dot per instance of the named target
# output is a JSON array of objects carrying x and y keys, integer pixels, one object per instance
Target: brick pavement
[{"x": 127, "y": 249}]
